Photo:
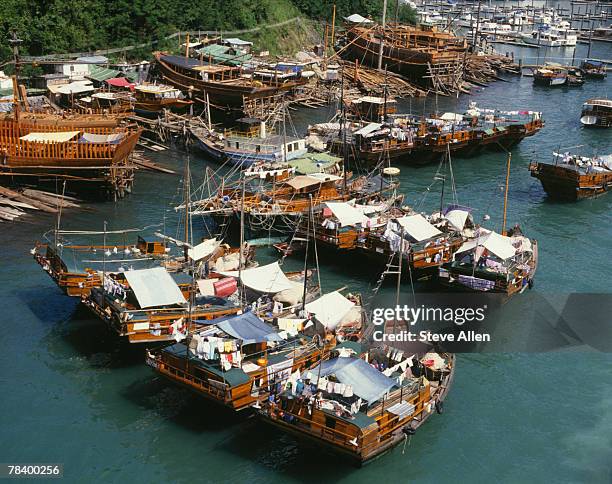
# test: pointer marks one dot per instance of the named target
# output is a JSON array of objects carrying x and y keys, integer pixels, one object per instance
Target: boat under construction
[{"x": 424, "y": 55}]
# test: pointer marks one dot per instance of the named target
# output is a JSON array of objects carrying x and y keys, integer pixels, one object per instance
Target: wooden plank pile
[
  {"x": 15, "y": 204},
  {"x": 482, "y": 69},
  {"x": 370, "y": 81}
]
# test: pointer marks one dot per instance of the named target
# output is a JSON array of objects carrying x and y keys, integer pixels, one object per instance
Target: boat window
[
  {"x": 237, "y": 145},
  {"x": 290, "y": 147},
  {"x": 258, "y": 149},
  {"x": 330, "y": 422}
]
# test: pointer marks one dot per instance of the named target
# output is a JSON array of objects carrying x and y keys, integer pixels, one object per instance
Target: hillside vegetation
[{"x": 57, "y": 26}]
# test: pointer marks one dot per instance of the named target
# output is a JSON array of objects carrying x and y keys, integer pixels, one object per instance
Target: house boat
[
  {"x": 349, "y": 406},
  {"x": 573, "y": 177},
  {"x": 492, "y": 263}
]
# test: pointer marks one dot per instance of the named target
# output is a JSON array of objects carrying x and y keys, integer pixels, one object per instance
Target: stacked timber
[
  {"x": 482, "y": 69},
  {"x": 371, "y": 81},
  {"x": 15, "y": 204}
]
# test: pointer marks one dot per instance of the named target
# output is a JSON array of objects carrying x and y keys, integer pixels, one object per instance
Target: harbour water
[{"x": 73, "y": 394}]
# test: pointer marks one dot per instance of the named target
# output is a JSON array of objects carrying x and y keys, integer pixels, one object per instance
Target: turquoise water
[{"x": 72, "y": 393}]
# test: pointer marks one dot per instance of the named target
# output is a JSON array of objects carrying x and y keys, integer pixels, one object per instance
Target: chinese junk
[
  {"x": 80, "y": 150},
  {"x": 423, "y": 54},
  {"x": 492, "y": 263},
  {"x": 573, "y": 177},
  {"x": 352, "y": 408},
  {"x": 236, "y": 361},
  {"x": 152, "y": 99},
  {"x": 597, "y": 113},
  {"x": 225, "y": 86}
]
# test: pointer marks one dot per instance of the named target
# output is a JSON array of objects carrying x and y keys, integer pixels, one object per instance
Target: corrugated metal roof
[{"x": 100, "y": 74}]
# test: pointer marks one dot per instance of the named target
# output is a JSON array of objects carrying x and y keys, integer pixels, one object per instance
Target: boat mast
[
  {"x": 343, "y": 127},
  {"x": 306, "y": 254},
  {"x": 187, "y": 198},
  {"x": 382, "y": 35},
  {"x": 240, "y": 256},
  {"x": 503, "y": 231},
  {"x": 15, "y": 42}
]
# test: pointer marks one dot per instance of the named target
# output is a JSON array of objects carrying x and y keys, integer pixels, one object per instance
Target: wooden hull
[
  {"x": 339, "y": 443},
  {"x": 103, "y": 165},
  {"x": 223, "y": 94},
  {"x": 566, "y": 184},
  {"x": 494, "y": 285},
  {"x": 415, "y": 63},
  {"x": 430, "y": 150},
  {"x": 205, "y": 383}
]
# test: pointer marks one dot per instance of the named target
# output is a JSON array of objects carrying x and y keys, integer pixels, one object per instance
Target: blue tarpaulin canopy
[
  {"x": 248, "y": 328},
  {"x": 367, "y": 382}
]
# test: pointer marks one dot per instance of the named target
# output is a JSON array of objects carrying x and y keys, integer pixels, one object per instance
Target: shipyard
[{"x": 285, "y": 241}]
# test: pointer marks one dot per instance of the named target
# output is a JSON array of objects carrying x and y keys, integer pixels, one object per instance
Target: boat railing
[{"x": 188, "y": 378}]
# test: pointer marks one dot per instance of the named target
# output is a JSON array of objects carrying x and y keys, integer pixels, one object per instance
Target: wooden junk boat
[
  {"x": 573, "y": 177},
  {"x": 348, "y": 405},
  {"x": 376, "y": 233},
  {"x": 492, "y": 263},
  {"x": 426, "y": 56},
  {"x": 149, "y": 305},
  {"x": 593, "y": 68},
  {"x": 152, "y": 99},
  {"x": 237, "y": 361},
  {"x": 597, "y": 113},
  {"x": 278, "y": 208},
  {"x": 550, "y": 76},
  {"x": 78, "y": 281},
  {"x": 89, "y": 152},
  {"x": 225, "y": 86},
  {"x": 417, "y": 140}
]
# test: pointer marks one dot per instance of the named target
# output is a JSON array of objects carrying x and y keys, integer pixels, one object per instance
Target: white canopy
[
  {"x": 60, "y": 137},
  {"x": 452, "y": 117},
  {"x": 269, "y": 278},
  {"x": 357, "y": 19},
  {"x": 418, "y": 227},
  {"x": 457, "y": 218},
  {"x": 369, "y": 128},
  {"x": 77, "y": 87},
  {"x": 330, "y": 308},
  {"x": 497, "y": 244},
  {"x": 346, "y": 214},
  {"x": 204, "y": 249},
  {"x": 154, "y": 287}
]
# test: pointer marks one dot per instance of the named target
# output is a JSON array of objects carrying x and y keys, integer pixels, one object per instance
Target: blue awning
[
  {"x": 248, "y": 328},
  {"x": 367, "y": 382}
]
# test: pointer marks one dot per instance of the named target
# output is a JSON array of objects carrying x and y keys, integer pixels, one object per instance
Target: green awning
[
  {"x": 131, "y": 75},
  {"x": 101, "y": 74}
]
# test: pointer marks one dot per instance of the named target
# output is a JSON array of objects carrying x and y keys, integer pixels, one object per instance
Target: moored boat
[
  {"x": 347, "y": 405},
  {"x": 492, "y": 263},
  {"x": 597, "y": 113},
  {"x": 550, "y": 76},
  {"x": 573, "y": 177}
]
